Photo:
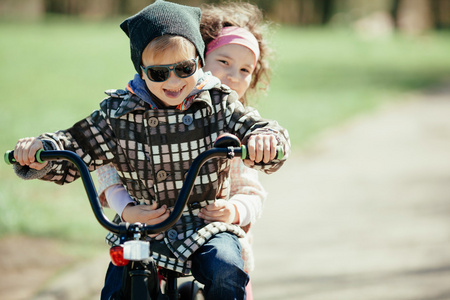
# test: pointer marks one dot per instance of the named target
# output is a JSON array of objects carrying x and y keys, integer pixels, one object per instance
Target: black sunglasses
[{"x": 160, "y": 73}]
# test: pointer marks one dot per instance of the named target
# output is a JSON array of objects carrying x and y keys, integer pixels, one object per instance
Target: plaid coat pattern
[{"x": 152, "y": 151}]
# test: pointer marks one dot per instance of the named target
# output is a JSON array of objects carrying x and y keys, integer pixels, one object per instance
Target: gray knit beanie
[{"x": 161, "y": 18}]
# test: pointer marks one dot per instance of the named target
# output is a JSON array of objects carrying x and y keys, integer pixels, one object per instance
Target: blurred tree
[
  {"x": 413, "y": 16},
  {"x": 61, "y": 7},
  {"x": 441, "y": 13},
  {"x": 416, "y": 16},
  {"x": 408, "y": 15},
  {"x": 304, "y": 12},
  {"x": 28, "y": 9}
]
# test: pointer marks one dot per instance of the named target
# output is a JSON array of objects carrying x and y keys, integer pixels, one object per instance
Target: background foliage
[{"x": 55, "y": 68}]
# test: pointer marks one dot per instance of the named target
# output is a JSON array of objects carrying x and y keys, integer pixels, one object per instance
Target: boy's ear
[{"x": 200, "y": 63}]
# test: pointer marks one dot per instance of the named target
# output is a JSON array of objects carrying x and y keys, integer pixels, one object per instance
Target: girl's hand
[
  {"x": 220, "y": 211},
  {"x": 145, "y": 214},
  {"x": 25, "y": 152},
  {"x": 261, "y": 148}
]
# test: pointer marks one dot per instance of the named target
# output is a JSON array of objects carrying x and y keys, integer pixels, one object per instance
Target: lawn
[
  {"x": 323, "y": 77},
  {"x": 54, "y": 73}
]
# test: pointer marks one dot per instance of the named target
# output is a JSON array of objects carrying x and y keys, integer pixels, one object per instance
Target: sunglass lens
[
  {"x": 158, "y": 73},
  {"x": 185, "y": 69}
]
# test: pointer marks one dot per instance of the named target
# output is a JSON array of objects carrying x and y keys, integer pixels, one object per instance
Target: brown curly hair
[{"x": 248, "y": 16}]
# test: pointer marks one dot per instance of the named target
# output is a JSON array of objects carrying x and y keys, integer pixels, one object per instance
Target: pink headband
[{"x": 235, "y": 35}]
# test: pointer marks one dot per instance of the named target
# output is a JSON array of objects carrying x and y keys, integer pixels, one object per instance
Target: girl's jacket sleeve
[
  {"x": 247, "y": 193},
  {"x": 246, "y": 121}
]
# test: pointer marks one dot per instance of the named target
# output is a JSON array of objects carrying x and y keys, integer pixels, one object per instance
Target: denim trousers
[{"x": 217, "y": 265}]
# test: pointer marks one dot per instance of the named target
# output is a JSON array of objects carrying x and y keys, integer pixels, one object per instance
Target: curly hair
[{"x": 245, "y": 15}]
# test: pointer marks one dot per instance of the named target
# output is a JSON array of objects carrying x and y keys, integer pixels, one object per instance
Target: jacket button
[
  {"x": 187, "y": 120},
  {"x": 172, "y": 234},
  {"x": 153, "y": 122},
  {"x": 161, "y": 175}
]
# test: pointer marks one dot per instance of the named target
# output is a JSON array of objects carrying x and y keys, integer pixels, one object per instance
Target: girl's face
[
  {"x": 174, "y": 90},
  {"x": 233, "y": 65}
]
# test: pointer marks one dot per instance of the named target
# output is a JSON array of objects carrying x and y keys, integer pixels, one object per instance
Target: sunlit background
[{"x": 333, "y": 61}]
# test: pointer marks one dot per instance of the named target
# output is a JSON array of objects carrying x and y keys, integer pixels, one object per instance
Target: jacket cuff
[{"x": 27, "y": 173}]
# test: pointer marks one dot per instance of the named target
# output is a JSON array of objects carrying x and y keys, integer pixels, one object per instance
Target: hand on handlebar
[
  {"x": 25, "y": 151},
  {"x": 261, "y": 148}
]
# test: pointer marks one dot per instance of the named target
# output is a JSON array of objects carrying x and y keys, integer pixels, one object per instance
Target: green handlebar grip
[
  {"x": 279, "y": 155},
  {"x": 6, "y": 157},
  {"x": 280, "y": 152},
  {"x": 9, "y": 157},
  {"x": 244, "y": 152},
  {"x": 38, "y": 156}
]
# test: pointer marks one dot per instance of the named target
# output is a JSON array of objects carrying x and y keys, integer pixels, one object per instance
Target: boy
[{"x": 152, "y": 132}]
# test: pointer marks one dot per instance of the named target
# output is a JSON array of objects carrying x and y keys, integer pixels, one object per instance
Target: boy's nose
[{"x": 172, "y": 77}]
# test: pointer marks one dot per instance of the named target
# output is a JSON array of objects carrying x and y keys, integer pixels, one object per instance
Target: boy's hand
[
  {"x": 261, "y": 148},
  {"x": 146, "y": 214},
  {"x": 25, "y": 151},
  {"x": 220, "y": 211}
]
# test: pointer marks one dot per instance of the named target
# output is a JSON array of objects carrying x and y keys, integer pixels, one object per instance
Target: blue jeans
[
  {"x": 217, "y": 265},
  {"x": 113, "y": 281}
]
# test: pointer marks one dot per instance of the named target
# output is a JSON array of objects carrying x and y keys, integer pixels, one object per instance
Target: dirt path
[
  {"x": 26, "y": 264},
  {"x": 362, "y": 214}
]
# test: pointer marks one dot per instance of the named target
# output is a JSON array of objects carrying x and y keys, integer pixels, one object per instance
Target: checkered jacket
[
  {"x": 246, "y": 192},
  {"x": 152, "y": 151}
]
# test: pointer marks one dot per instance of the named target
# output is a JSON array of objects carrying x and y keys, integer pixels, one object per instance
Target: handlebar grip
[
  {"x": 9, "y": 157},
  {"x": 279, "y": 155}
]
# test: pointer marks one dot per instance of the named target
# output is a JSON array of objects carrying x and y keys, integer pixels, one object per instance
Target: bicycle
[{"x": 141, "y": 280}]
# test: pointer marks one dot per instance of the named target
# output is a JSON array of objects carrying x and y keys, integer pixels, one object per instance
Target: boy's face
[
  {"x": 233, "y": 65},
  {"x": 174, "y": 90}
]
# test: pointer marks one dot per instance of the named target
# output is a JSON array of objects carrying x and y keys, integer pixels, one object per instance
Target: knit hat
[{"x": 161, "y": 18}]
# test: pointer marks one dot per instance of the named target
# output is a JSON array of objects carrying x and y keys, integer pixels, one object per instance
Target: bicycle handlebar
[
  {"x": 182, "y": 199},
  {"x": 9, "y": 155}
]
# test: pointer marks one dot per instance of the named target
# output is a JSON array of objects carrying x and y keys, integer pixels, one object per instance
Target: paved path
[
  {"x": 367, "y": 211},
  {"x": 362, "y": 214}
]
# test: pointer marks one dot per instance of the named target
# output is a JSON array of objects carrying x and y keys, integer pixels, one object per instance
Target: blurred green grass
[
  {"x": 53, "y": 73},
  {"x": 323, "y": 77}
]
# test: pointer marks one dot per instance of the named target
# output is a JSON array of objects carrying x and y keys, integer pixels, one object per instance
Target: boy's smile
[
  {"x": 174, "y": 90},
  {"x": 173, "y": 94}
]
